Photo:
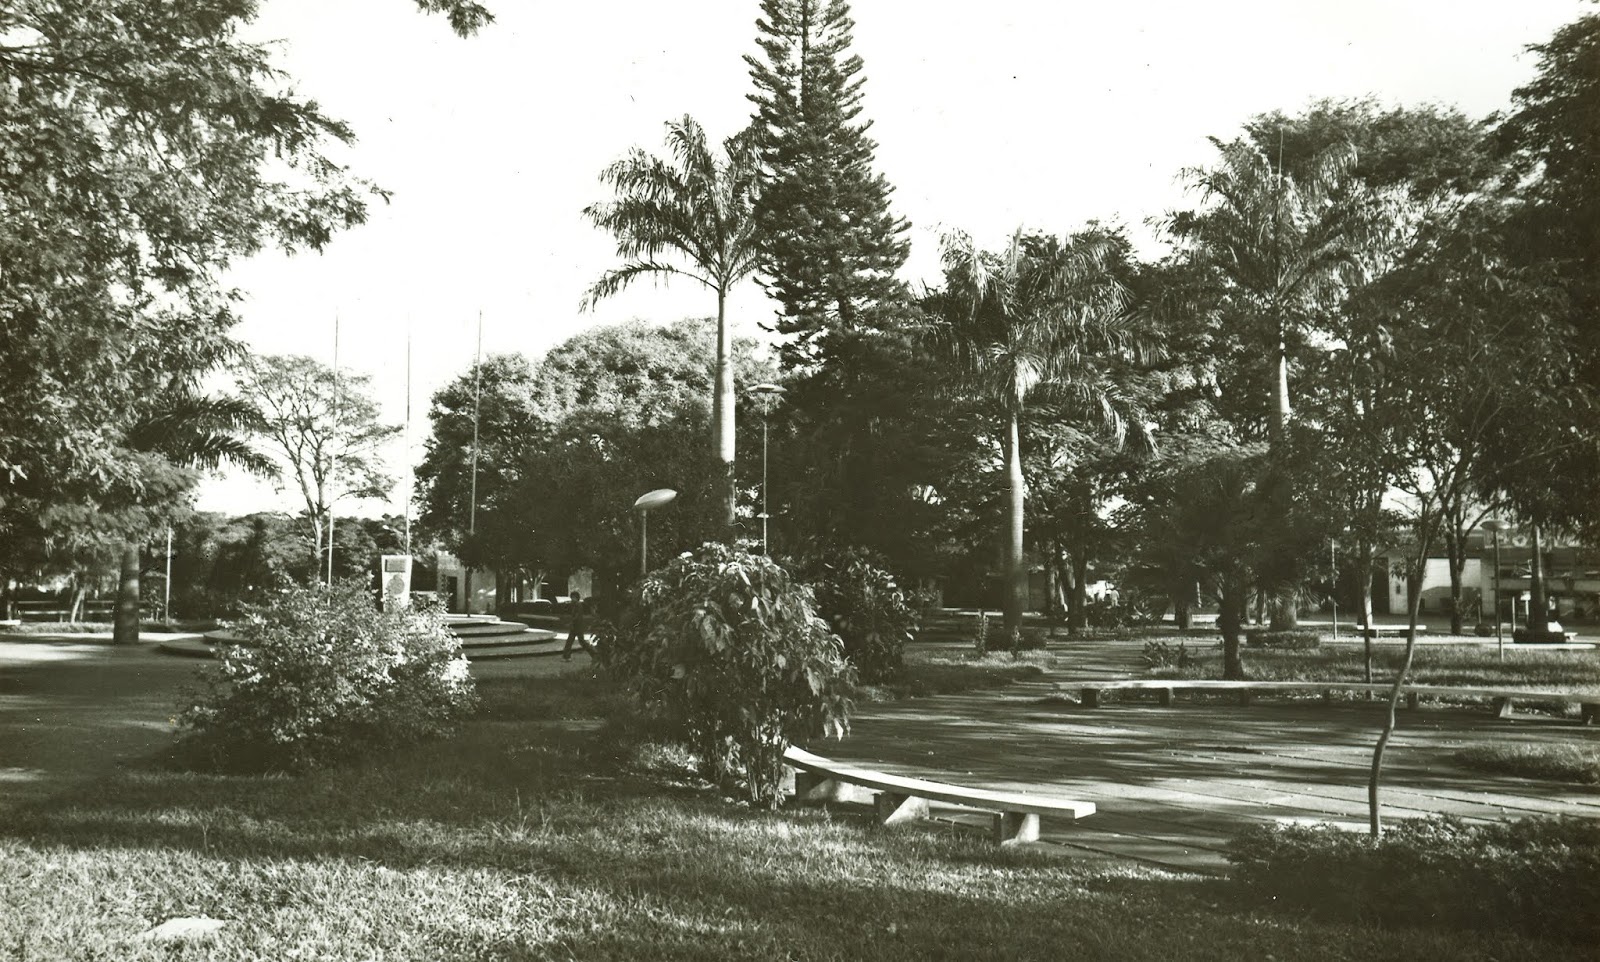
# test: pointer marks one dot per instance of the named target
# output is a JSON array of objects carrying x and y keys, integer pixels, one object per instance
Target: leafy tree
[
  {"x": 697, "y": 209},
  {"x": 830, "y": 246},
  {"x": 1550, "y": 140},
  {"x": 1195, "y": 520},
  {"x": 868, "y": 451},
  {"x": 149, "y": 147},
  {"x": 189, "y": 431},
  {"x": 513, "y": 412},
  {"x": 324, "y": 429},
  {"x": 567, "y": 445},
  {"x": 1043, "y": 319}
]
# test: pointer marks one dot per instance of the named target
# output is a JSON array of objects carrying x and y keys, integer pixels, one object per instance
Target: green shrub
[
  {"x": 728, "y": 646},
  {"x": 322, "y": 675},
  {"x": 1160, "y": 654},
  {"x": 1292, "y": 639},
  {"x": 1536, "y": 876},
  {"x": 867, "y": 610}
]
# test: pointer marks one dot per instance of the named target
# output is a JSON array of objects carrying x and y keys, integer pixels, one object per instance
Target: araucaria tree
[
  {"x": 325, "y": 430},
  {"x": 830, "y": 246},
  {"x": 1043, "y": 319},
  {"x": 689, "y": 216}
]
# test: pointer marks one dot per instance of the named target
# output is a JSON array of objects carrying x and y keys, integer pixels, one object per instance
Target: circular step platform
[{"x": 481, "y": 636}]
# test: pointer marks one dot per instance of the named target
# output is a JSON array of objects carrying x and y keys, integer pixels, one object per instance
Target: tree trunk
[
  {"x": 1056, "y": 598},
  {"x": 722, "y": 416},
  {"x": 1413, "y": 606},
  {"x": 1538, "y": 599},
  {"x": 1365, "y": 557},
  {"x": 1230, "y": 621},
  {"x": 1073, "y": 597},
  {"x": 75, "y": 609},
  {"x": 1080, "y": 593},
  {"x": 125, "y": 618},
  {"x": 1261, "y": 608},
  {"x": 1183, "y": 607},
  {"x": 1016, "y": 591},
  {"x": 1455, "y": 549}
]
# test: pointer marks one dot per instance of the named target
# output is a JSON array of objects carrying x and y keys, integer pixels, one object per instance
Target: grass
[
  {"x": 953, "y": 671},
  {"x": 1433, "y": 665},
  {"x": 553, "y": 828},
  {"x": 1556, "y": 763}
]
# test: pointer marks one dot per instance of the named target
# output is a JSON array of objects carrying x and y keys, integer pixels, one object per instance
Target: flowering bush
[
  {"x": 319, "y": 674},
  {"x": 730, "y": 649}
]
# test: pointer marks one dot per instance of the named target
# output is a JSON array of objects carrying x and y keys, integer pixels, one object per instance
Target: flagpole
[
  {"x": 411, "y": 470},
  {"x": 333, "y": 463},
  {"x": 477, "y": 394}
]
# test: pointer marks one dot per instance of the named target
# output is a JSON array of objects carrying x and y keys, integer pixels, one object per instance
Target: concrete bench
[
  {"x": 899, "y": 798},
  {"x": 1501, "y": 699}
]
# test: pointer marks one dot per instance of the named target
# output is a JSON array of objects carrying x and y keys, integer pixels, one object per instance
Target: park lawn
[
  {"x": 552, "y": 828},
  {"x": 1564, "y": 670},
  {"x": 954, "y": 671}
]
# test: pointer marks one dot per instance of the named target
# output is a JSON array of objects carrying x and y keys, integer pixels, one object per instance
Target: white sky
[{"x": 988, "y": 116}]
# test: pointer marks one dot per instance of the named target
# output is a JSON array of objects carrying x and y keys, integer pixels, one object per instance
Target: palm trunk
[
  {"x": 722, "y": 413},
  {"x": 1016, "y": 574},
  {"x": 1285, "y": 608},
  {"x": 125, "y": 619}
]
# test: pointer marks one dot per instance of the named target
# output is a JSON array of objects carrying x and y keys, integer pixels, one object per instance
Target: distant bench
[
  {"x": 898, "y": 798},
  {"x": 1501, "y": 699}
]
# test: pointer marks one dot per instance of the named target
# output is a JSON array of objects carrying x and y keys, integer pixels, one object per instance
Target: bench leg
[
  {"x": 1164, "y": 697},
  {"x": 1412, "y": 699},
  {"x": 894, "y": 808},
  {"x": 1327, "y": 696},
  {"x": 1502, "y": 708},
  {"x": 1090, "y": 698},
  {"x": 1013, "y": 827},
  {"x": 811, "y": 787},
  {"x": 1246, "y": 696}
]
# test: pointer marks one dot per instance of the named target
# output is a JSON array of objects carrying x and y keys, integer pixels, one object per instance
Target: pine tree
[{"x": 830, "y": 244}]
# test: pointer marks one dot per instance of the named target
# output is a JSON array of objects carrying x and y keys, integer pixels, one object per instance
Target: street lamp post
[
  {"x": 769, "y": 394},
  {"x": 1494, "y": 526},
  {"x": 646, "y": 502}
]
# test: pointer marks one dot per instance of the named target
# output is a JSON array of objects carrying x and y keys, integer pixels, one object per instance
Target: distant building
[{"x": 1571, "y": 579}]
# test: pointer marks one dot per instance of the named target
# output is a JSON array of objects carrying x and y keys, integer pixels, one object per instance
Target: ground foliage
[
  {"x": 1534, "y": 876},
  {"x": 729, "y": 647},
  {"x": 866, "y": 608},
  {"x": 322, "y": 675}
]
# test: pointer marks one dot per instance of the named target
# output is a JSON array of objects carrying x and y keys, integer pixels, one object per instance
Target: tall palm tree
[
  {"x": 184, "y": 430},
  {"x": 1043, "y": 319},
  {"x": 1282, "y": 248},
  {"x": 692, "y": 216}
]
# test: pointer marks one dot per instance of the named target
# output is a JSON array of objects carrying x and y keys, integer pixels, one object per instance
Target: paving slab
[{"x": 1174, "y": 784}]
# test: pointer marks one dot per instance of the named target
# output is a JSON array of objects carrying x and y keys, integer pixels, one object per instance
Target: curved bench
[
  {"x": 899, "y": 798},
  {"x": 1500, "y": 698}
]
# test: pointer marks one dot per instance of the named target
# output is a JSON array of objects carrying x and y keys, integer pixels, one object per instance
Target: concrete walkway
[{"x": 1173, "y": 785}]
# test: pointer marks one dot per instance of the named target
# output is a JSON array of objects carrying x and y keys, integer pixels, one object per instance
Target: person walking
[{"x": 575, "y": 631}]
